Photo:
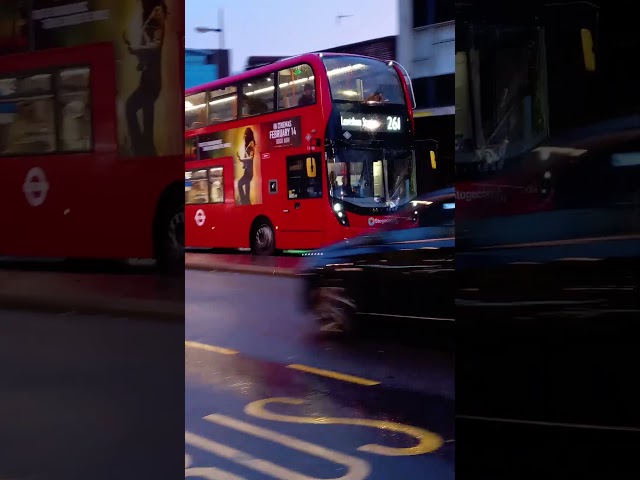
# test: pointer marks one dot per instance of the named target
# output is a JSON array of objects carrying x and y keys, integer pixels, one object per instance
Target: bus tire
[
  {"x": 169, "y": 238},
  {"x": 263, "y": 237}
]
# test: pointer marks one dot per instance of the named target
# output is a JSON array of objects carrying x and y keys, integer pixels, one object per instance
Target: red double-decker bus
[
  {"x": 68, "y": 187},
  {"x": 298, "y": 154}
]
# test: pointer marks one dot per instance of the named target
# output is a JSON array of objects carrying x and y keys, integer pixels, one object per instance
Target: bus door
[{"x": 305, "y": 209}]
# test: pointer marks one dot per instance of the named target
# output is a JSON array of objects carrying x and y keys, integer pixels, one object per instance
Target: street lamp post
[
  {"x": 219, "y": 30},
  {"x": 222, "y": 60}
]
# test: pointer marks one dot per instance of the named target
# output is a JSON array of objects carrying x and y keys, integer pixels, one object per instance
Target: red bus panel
[{"x": 64, "y": 199}]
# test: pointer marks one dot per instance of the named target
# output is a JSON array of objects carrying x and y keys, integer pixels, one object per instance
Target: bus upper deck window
[{"x": 296, "y": 87}]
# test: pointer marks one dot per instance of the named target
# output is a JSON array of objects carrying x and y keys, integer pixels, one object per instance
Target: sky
[{"x": 286, "y": 27}]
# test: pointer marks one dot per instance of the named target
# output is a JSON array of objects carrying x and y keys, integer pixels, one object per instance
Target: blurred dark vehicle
[
  {"x": 403, "y": 272},
  {"x": 548, "y": 241}
]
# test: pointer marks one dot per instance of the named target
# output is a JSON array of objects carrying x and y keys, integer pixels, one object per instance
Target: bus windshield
[
  {"x": 372, "y": 178},
  {"x": 509, "y": 103},
  {"x": 359, "y": 79}
]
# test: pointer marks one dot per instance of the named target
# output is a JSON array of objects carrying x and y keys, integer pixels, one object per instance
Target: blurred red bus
[
  {"x": 298, "y": 154},
  {"x": 534, "y": 106},
  {"x": 65, "y": 190}
]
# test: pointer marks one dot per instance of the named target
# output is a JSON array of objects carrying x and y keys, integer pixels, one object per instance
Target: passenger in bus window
[
  {"x": 307, "y": 96},
  {"x": 244, "y": 183},
  {"x": 377, "y": 97},
  {"x": 333, "y": 183},
  {"x": 345, "y": 188}
]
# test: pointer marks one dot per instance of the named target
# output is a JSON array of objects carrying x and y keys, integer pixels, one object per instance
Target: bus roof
[{"x": 270, "y": 68}]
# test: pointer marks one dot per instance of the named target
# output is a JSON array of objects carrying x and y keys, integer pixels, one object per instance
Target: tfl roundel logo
[{"x": 371, "y": 221}]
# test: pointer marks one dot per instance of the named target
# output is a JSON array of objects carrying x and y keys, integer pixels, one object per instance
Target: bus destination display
[{"x": 371, "y": 123}]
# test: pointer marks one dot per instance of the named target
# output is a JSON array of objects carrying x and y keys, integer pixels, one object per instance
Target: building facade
[
  {"x": 426, "y": 48},
  {"x": 383, "y": 48},
  {"x": 204, "y": 65}
]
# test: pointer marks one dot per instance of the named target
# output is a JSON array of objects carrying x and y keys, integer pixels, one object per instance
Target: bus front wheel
[{"x": 263, "y": 238}]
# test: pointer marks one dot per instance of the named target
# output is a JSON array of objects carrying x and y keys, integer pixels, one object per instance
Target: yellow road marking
[
  {"x": 427, "y": 441},
  {"x": 208, "y": 473},
  {"x": 210, "y": 348},
  {"x": 357, "y": 469},
  {"x": 338, "y": 376}
]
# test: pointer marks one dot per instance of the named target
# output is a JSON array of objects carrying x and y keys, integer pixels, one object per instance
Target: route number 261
[{"x": 393, "y": 124}]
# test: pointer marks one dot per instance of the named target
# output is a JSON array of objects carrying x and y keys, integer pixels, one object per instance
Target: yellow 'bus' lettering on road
[
  {"x": 427, "y": 441},
  {"x": 208, "y": 473},
  {"x": 356, "y": 469}
]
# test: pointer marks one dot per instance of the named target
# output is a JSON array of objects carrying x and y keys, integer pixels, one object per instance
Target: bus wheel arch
[
  {"x": 168, "y": 230},
  {"x": 262, "y": 236}
]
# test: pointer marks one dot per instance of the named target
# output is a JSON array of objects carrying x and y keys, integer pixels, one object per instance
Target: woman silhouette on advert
[
  {"x": 244, "y": 184},
  {"x": 149, "y": 55}
]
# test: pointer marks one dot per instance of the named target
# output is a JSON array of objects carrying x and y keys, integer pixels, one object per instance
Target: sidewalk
[
  {"x": 130, "y": 295},
  {"x": 111, "y": 294},
  {"x": 280, "y": 266}
]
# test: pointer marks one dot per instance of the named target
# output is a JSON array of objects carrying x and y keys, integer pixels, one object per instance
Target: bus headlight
[{"x": 341, "y": 215}]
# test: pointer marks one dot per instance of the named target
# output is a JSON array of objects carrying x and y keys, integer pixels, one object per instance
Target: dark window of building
[
  {"x": 433, "y": 92},
  {"x": 428, "y": 12},
  {"x": 420, "y": 13},
  {"x": 380, "y": 48}
]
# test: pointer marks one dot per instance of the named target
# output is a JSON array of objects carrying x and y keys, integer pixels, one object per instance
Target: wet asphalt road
[
  {"x": 251, "y": 415},
  {"x": 90, "y": 397}
]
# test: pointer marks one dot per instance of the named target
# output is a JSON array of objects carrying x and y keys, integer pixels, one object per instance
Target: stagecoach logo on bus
[
  {"x": 35, "y": 187},
  {"x": 283, "y": 133},
  {"x": 380, "y": 221}
]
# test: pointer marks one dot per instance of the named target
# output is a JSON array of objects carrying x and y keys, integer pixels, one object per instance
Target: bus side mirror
[{"x": 587, "y": 50}]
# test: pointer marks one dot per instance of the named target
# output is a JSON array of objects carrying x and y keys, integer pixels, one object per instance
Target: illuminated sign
[
  {"x": 371, "y": 123},
  {"x": 283, "y": 133}
]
